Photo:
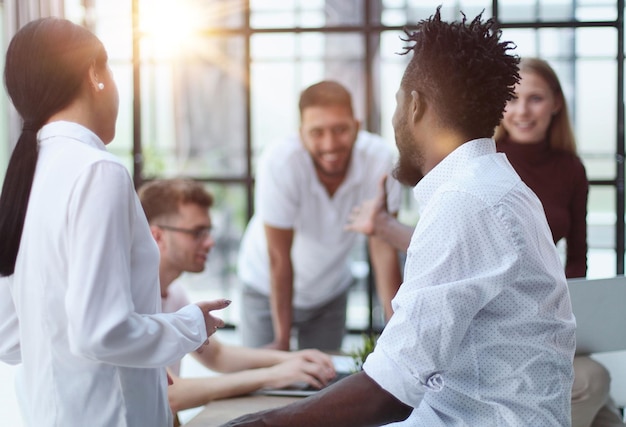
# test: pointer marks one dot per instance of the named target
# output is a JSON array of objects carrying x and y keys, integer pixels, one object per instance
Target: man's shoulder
[
  {"x": 488, "y": 178},
  {"x": 285, "y": 149}
]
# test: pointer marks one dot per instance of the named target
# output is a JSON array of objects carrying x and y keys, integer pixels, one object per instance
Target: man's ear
[
  {"x": 157, "y": 234},
  {"x": 417, "y": 106},
  {"x": 93, "y": 77}
]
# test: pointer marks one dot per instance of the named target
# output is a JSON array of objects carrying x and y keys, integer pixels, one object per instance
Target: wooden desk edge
[{"x": 220, "y": 411}]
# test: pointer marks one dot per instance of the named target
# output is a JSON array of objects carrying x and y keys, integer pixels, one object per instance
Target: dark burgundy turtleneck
[{"x": 559, "y": 180}]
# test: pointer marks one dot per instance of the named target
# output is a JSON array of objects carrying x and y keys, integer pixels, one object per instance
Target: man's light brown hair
[
  {"x": 162, "y": 198},
  {"x": 324, "y": 94}
]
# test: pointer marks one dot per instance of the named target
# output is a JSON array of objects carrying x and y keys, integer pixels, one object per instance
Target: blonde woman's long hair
[{"x": 560, "y": 134}]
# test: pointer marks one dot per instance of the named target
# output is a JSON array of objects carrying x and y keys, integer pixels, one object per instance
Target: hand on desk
[{"x": 305, "y": 366}]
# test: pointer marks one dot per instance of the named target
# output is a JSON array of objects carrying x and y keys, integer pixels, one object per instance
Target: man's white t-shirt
[{"x": 289, "y": 195}]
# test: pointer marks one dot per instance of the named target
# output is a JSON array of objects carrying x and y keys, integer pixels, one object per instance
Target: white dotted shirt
[{"x": 483, "y": 332}]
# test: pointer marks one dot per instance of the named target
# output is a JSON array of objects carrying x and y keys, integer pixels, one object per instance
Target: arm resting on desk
[
  {"x": 249, "y": 370},
  {"x": 356, "y": 401}
]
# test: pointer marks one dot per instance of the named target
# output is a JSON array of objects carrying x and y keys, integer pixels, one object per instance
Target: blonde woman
[{"x": 536, "y": 135}]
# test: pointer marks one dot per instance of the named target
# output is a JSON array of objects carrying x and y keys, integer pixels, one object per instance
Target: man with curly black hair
[{"x": 482, "y": 332}]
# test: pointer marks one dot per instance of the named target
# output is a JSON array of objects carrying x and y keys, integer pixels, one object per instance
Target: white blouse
[{"x": 85, "y": 293}]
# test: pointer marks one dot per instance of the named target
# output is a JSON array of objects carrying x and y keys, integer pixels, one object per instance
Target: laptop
[
  {"x": 600, "y": 309},
  {"x": 344, "y": 366}
]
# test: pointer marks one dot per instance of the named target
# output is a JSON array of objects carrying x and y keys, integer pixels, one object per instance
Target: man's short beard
[{"x": 406, "y": 173}]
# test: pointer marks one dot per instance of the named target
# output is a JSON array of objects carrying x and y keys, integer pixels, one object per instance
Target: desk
[{"x": 221, "y": 411}]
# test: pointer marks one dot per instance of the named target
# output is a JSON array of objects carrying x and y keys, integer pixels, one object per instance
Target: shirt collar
[
  {"x": 449, "y": 167},
  {"x": 70, "y": 130}
]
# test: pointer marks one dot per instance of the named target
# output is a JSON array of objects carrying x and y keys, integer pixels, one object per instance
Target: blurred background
[{"x": 205, "y": 85}]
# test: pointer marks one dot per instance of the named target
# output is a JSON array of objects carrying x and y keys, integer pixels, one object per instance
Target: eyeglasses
[{"x": 200, "y": 233}]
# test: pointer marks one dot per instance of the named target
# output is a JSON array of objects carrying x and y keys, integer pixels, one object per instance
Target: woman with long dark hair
[{"x": 79, "y": 296}]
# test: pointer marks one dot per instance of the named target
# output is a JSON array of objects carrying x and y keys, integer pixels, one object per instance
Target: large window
[{"x": 209, "y": 83}]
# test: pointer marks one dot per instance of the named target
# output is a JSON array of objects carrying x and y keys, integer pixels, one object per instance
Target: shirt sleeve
[
  {"x": 394, "y": 191},
  {"x": 103, "y": 323},
  {"x": 277, "y": 196},
  {"x": 445, "y": 286},
  {"x": 576, "y": 240},
  {"x": 10, "y": 350}
]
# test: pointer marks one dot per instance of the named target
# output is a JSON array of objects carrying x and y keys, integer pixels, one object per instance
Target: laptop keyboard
[{"x": 338, "y": 377}]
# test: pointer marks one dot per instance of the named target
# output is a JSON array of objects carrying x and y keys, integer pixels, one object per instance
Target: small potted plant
[{"x": 360, "y": 354}]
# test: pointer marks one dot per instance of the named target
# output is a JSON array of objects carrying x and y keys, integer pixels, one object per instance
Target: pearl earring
[{"x": 100, "y": 86}]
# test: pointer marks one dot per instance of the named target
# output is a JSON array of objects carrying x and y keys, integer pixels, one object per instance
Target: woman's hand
[{"x": 212, "y": 323}]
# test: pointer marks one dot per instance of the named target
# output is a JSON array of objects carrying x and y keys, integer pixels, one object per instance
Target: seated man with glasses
[{"x": 178, "y": 214}]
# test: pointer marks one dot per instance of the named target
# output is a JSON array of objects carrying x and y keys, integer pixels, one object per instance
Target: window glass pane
[
  {"x": 277, "y": 78},
  {"x": 596, "y": 42},
  {"x": 556, "y": 10},
  {"x": 601, "y": 232},
  {"x": 282, "y": 19},
  {"x": 518, "y": 10},
  {"x": 601, "y": 216},
  {"x": 270, "y": 6},
  {"x": 293, "y": 47},
  {"x": 555, "y": 42},
  {"x": 305, "y": 13},
  {"x": 157, "y": 117},
  {"x": 391, "y": 68},
  {"x": 535, "y": 10},
  {"x": 595, "y": 123},
  {"x": 526, "y": 40},
  {"x": 112, "y": 23},
  {"x": 544, "y": 42},
  {"x": 122, "y": 144},
  {"x": 275, "y": 105},
  {"x": 596, "y": 10},
  {"x": 167, "y": 19},
  {"x": 410, "y": 12},
  {"x": 194, "y": 119}
]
